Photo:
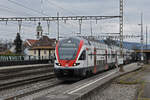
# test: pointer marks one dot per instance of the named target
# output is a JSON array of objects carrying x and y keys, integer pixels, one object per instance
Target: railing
[
  {"x": 24, "y": 60},
  {"x": 11, "y": 58}
]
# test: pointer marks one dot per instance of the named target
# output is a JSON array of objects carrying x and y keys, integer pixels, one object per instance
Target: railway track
[
  {"x": 12, "y": 79},
  {"x": 12, "y": 84},
  {"x": 18, "y": 76},
  {"x": 10, "y": 75},
  {"x": 46, "y": 85}
]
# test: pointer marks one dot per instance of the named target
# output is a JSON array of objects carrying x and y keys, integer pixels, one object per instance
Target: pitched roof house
[
  {"x": 29, "y": 42},
  {"x": 44, "y": 48}
]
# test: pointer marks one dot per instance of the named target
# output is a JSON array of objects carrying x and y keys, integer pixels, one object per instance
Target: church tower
[{"x": 39, "y": 31}]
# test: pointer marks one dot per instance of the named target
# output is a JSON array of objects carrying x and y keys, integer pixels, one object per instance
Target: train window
[
  {"x": 91, "y": 55},
  {"x": 83, "y": 55},
  {"x": 34, "y": 51},
  {"x": 97, "y": 62},
  {"x": 89, "y": 42},
  {"x": 113, "y": 55},
  {"x": 68, "y": 49},
  {"x": 108, "y": 56},
  {"x": 45, "y": 52}
]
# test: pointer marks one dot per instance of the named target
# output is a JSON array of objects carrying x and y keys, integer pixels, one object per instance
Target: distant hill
[
  {"x": 130, "y": 45},
  {"x": 134, "y": 45}
]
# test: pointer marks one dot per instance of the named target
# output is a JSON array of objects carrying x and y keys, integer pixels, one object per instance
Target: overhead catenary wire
[
  {"x": 27, "y": 7},
  {"x": 13, "y": 11},
  {"x": 41, "y": 6},
  {"x": 62, "y": 8},
  {"x": 23, "y": 6},
  {"x": 40, "y": 12}
]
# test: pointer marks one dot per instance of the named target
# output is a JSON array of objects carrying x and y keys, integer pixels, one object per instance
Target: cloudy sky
[{"x": 28, "y": 8}]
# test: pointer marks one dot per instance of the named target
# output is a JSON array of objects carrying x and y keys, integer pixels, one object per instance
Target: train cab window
[
  {"x": 89, "y": 43},
  {"x": 83, "y": 55},
  {"x": 67, "y": 49}
]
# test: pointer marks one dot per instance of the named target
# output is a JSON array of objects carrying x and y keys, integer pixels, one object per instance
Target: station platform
[{"x": 23, "y": 66}]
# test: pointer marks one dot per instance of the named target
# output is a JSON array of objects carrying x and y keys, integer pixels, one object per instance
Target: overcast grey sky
[{"x": 22, "y": 8}]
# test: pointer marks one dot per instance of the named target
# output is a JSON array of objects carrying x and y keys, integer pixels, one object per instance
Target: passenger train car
[{"x": 78, "y": 57}]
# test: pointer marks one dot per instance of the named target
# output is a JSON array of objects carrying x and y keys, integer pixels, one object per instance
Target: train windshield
[{"x": 68, "y": 49}]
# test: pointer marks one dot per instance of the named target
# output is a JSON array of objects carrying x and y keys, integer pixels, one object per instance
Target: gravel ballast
[{"x": 117, "y": 92}]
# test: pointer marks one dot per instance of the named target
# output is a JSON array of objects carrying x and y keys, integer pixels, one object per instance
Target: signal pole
[
  {"x": 146, "y": 36},
  {"x": 57, "y": 26},
  {"x": 142, "y": 39},
  {"x": 91, "y": 28},
  {"x": 19, "y": 28},
  {"x": 121, "y": 35},
  {"x": 80, "y": 25}
]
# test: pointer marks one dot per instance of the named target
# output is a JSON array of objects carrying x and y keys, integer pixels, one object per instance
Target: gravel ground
[
  {"x": 117, "y": 92},
  {"x": 112, "y": 91}
]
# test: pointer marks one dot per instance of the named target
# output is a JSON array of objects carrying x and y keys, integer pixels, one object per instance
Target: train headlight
[
  {"x": 58, "y": 64},
  {"x": 76, "y": 64}
]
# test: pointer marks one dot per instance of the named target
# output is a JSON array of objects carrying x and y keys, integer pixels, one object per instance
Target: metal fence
[
  {"x": 11, "y": 58},
  {"x": 24, "y": 60}
]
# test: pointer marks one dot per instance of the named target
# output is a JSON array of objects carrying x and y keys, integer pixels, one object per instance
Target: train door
[
  {"x": 106, "y": 66},
  {"x": 83, "y": 57},
  {"x": 116, "y": 56},
  {"x": 119, "y": 58},
  {"x": 85, "y": 52},
  {"x": 87, "y": 57},
  {"x": 106, "y": 56},
  {"x": 90, "y": 58},
  {"x": 94, "y": 60}
]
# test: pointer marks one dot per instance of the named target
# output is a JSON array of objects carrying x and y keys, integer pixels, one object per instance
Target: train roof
[
  {"x": 87, "y": 40},
  {"x": 90, "y": 40}
]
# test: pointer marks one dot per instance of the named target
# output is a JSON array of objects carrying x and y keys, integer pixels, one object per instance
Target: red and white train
[{"x": 78, "y": 57}]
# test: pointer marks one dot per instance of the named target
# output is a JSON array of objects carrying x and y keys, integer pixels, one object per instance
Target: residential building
[
  {"x": 44, "y": 48},
  {"x": 27, "y": 45}
]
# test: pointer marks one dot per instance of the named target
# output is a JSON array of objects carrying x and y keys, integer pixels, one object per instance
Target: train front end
[{"x": 67, "y": 66}]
